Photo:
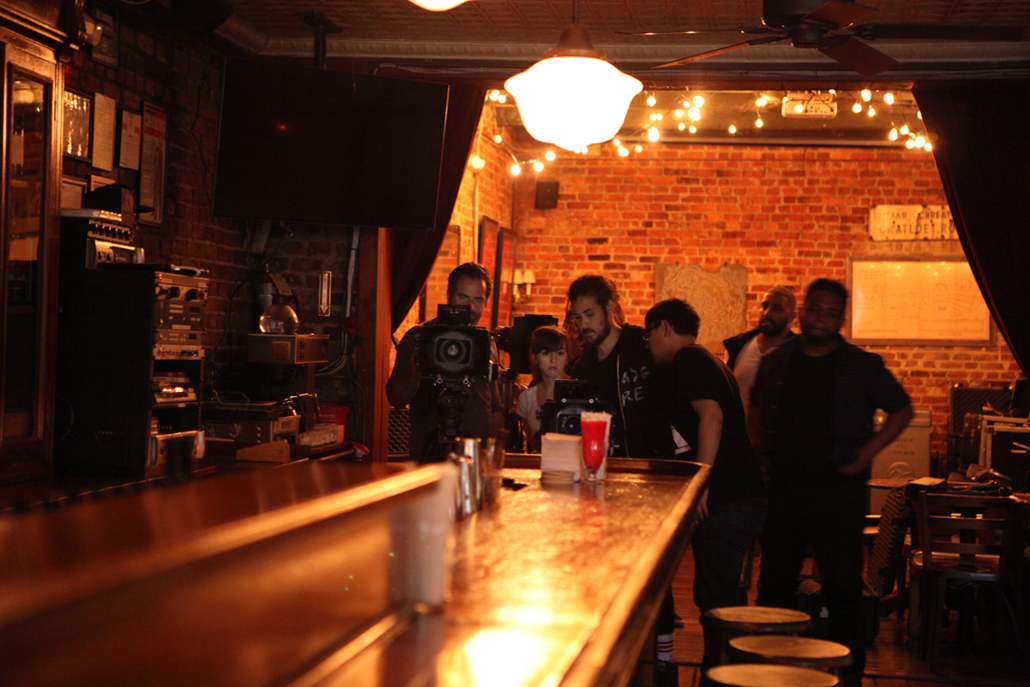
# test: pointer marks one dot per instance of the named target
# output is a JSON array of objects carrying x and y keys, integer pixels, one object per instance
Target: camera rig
[{"x": 561, "y": 414}]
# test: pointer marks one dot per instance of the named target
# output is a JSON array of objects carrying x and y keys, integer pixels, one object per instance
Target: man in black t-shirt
[
  {"x": 811, "y": 417},
  {"x": 707, "y": 413}
]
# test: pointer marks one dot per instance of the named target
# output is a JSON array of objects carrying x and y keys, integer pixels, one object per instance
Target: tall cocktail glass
[{"x": 594, "y": 431}]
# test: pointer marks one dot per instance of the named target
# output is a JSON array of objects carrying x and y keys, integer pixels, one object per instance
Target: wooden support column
[{"x": 375, "y": 255}]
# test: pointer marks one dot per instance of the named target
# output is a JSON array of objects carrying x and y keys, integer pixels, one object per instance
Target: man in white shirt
[{"x": 745, "y": 351}]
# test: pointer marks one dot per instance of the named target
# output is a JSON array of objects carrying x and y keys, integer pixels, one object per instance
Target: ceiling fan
[{"x": 829, "y": 26}]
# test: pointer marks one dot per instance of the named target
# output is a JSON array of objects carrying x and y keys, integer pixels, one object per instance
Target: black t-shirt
[
  {"x": 803, "y": 443},
  {"x": 699, "y": 375},
  {"x": 624, "y": 380}
]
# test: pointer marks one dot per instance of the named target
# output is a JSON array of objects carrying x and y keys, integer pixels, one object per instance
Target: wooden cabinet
[{"x": 29, "y": 207}]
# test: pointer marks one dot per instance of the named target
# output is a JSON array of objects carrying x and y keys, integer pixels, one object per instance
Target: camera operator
[
  {"x": 468, "y": 284},
  {"x": 616, "y": 364}
]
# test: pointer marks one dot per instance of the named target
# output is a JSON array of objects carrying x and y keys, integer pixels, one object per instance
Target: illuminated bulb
[
  {"x": 616, "y": 142},
  {"x": 502, "y": 98},
  {"x": 919, "y": 113},
  {"x": 893, "y": 135},
  {"x": 784, "y": 99},
  {"x": 867, "y": 95},
  {"x": 678, "y": 113},
  {"x": 904, "y": 129},
  {"x": 698, "y": 101},
  {"x": 623, "y": 151},
  {"x": 550, "y": 155},
  {"x": 498, "y": 139},
  {"x": 910, "y": 144},
  {"x": 686, "y": 103},
  {"x": 694, "y": 113},
  {"x": 920, "y": 141},
  {"x": 437, "y": 5},
  {"x": 683, "y": 126},
  {"x": 856, "y": 108},
  {"x": 515, "y": 169},
  {"x": 833, "y": 91},
  {"x": 494, "y": 94},
  {"x": 639, "y": 148},
  {"x": 871, "y": 112},
  {"x": 651, "y": 101},
  {"x": 538, "y": 166},
  {"x": 652, "y": 133},
  {"x": 799, "y": 108},
  {"x": 762, "y": 101},
  {"x": 693, "y": 129},
  {"x": 928, "y": 147},
  {"x": 888, "y": 98},
  {"x": 477, "y": 163},
  {"x": 732, "y": 129},
  {"x": 653, "y": 116},
  {"x": 660, "y": 116},
  {"x": 759, "y": 123}
]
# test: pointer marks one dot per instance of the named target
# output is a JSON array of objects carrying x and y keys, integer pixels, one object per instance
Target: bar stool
[
  {"x": 765, "y": 675},
  {"x": 738, "y": 620},
  {"x": 801, "y": 652}
]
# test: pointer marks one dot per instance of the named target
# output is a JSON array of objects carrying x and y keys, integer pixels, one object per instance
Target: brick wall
[{"x": 789, "y": 214}]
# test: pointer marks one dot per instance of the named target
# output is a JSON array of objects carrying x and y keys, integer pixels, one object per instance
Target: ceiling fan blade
[
  {"x": 719, "y": 51},
  {"x": 839, "y": 14},
  {"x": 859, "y": 57},
  {"x": 737, "y": 29},
  {"x": 942, "y": 32}
]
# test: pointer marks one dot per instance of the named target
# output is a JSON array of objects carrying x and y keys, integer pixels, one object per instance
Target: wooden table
[{"x": 307, "y": 575}]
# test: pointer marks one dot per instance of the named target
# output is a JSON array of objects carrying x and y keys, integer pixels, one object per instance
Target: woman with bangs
[{"x": 548, "y": 354}]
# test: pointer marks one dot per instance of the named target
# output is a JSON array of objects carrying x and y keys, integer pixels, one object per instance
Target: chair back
[
  {"x": 888, "y": 544},
  {"x": 957, "y": 529}
]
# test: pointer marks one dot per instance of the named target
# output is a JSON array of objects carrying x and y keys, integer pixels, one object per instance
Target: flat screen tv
[{"x": 314, "y": 145}]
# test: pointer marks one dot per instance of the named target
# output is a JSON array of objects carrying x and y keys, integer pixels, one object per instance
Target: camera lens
[
  {"x": 452, "y": 351},
  {"x": 569, "y": 424}
]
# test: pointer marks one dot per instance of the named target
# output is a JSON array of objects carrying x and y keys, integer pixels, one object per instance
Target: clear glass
[
  {"x": 28, "y": 120},
  {"x": 279, "y": 318},
  {"x": 595, "y": 446}
]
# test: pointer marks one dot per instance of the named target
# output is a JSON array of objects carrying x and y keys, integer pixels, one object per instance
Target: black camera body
[
  {"x": 452, "y": 349},
  {"x": 561, "y": 415}
]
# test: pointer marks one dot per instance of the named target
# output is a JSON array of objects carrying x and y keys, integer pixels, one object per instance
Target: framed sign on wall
[{"x": 929, "y": 301}]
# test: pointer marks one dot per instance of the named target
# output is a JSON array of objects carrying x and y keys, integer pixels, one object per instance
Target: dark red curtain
[
  {"x": 414, "y": 252},
  {"x": 982, "y": 151}
]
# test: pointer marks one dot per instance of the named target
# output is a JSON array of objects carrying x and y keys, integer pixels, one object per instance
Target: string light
[
  {"x": 678, "y": 113},
  {"x": 651, "y": 101},
  {"x": 871, "y": 112},
  {"x": 693, "y": 129},
  {"x": 694, "y": 113},
  {"x": 732, "y": 129},
  {"x": 515, "y": 169},
  {"x": 867, "y": 95},
  {"x": 538, "y": 166},
  {"x": 498, "y": 139},
  {"x": 653, "y": 134},
  {"x": 477, "y": 163},
  {"x": 857, "y": 107},
  {"x": 910, "y": 144},
  {"x": 759, "y": 123},
  {"x": 639, "y": 148},
  {"x": 893, "y": 135},
  {"x": 888, "y": 98},
  {"x": 494, "y": 95},
  {"x": 682, "y": 126},
  {"x": 550, "y": 155},
  {"x": 762, "y": 101},
  {"x": 623, "y": 151},
  {"x": 928, "y": 147},
  {"x": 904, "y": 129},
  {"x": 920, "y": 141},
  {"x": 698, "y": 101}
]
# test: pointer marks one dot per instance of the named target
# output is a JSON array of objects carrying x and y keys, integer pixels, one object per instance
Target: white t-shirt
[{"x": 745, "y": 369}]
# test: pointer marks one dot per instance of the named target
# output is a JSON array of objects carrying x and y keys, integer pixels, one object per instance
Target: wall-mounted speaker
[{"x": 546, "y": 195}]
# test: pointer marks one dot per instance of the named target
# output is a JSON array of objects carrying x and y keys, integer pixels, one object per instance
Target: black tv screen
[{"x": 314, "y": 145}]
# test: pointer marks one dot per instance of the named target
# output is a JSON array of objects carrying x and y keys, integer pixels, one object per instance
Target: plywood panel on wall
[{"x": 720, "y": 298}]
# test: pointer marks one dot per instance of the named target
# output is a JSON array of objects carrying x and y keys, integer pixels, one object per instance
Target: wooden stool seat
[
  {"x": 803, "y": 652},
  {"x": 762, "y": 675},
  {"x": 737, "y": 620},
  {"x": 756, "y": 619}
]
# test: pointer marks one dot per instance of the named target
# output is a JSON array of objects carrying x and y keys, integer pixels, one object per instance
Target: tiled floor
[{"x": 888, "y": 663}]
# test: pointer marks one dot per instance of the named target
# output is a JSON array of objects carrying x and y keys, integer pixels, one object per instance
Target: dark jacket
[
  {"x": 735, "y": 344},
  {"x": 861, "y": 385}
]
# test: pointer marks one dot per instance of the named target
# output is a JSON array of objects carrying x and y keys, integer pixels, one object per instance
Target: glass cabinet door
[{"x": 27, "y": 303}]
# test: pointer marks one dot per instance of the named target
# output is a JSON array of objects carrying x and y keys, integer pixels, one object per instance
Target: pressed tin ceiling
[{"x": 496, "y": 38}]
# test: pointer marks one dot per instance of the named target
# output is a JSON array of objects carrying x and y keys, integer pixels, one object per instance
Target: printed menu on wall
[
  {"x": 129, "y": 145},
  {"x": 152, "y": 164}
]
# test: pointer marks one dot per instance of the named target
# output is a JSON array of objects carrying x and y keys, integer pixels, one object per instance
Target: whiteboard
[{"x": 931, "y": 301}]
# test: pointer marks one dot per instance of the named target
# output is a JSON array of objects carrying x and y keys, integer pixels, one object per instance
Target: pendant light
[
  {"x": 573, "y": 97},
  {"x": 437, "y": 5}
]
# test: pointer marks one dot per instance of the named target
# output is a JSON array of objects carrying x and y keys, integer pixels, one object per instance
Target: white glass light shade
[
  {"x": 437, "y": 5},
  {"x": 572, "y": 101}
]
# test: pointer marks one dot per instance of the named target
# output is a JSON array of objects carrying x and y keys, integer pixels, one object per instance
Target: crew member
[
  {"x": 468, "y": 284},
  {"x": 811, "y": 415},
  {"x": 745, "y": 351}
]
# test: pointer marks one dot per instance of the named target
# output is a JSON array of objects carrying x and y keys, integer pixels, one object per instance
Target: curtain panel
[
  {"x": 982, "y": 150},
  {"x": 415, "y": 252}
]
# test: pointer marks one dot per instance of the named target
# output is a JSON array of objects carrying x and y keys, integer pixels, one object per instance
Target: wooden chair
[{"x": 966, "y": 540}]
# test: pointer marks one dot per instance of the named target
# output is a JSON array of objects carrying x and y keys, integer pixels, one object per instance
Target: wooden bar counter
[{"x": 329, "y": 574}]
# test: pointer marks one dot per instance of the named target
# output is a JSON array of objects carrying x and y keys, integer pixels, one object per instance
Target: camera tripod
[{"x": 450, "y": 407}]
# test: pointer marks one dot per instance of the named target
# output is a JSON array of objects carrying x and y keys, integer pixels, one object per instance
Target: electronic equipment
[
  {"x": 91, "y": 237},
  {"x": 452, "y": 349},
  {"x": 976, "y": 433},
  {"x": 319, "y": 145},
  {"x": 561, "y": 414},
  {"x": 130, "y": 370},
  {"x": 1006, "y": 449}
]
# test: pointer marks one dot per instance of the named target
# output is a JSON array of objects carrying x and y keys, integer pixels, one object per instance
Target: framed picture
[
  {"x": 130, "y": 136},
  {"x": 72, "y": 190},
  {"x": 929, "y": 301},
  {"x": 152, "y": 164},
  {"x": 488, "y": 235},
  {"x": 106, "y": 51},
  {"x": 78, "y": 125},
  {"x": 503, "y": 276}
]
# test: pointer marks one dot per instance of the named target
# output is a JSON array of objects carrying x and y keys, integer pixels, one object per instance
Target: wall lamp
[{"x": 522, "y": 278}]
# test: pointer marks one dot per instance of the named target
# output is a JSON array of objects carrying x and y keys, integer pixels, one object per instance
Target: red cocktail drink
[{"x": 594, "y": 430}]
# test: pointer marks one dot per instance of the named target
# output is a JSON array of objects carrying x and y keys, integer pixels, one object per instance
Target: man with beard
[
  {"x": 811, "y": 417},
  {"x": 616, "y": 363},
  {"x": 745, "y": 351}
]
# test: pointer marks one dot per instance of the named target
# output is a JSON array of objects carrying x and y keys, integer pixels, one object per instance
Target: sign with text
[{"x": 911, "y": 223}]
